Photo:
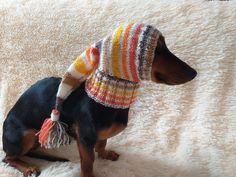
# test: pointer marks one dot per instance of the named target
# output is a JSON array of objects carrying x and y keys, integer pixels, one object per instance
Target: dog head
[{"x": 169, "y": 69}]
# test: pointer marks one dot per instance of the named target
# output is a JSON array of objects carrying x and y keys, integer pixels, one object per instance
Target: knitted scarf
[{"x": 112, "y": 68}]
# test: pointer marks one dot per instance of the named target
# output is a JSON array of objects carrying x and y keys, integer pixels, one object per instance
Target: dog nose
[
  {"x": 193, "y": 74},
  {"x": 190, "y": 73}
]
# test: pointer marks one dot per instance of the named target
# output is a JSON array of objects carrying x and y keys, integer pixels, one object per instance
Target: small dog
[{"x": 89, "y": 122}]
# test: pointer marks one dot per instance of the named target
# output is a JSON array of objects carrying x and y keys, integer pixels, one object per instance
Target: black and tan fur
[{"x": 90, "y": 123}]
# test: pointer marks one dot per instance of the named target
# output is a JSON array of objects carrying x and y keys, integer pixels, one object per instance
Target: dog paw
[
  {"x": 109, "y": 155},
  {"x": 31, "y": 172}
]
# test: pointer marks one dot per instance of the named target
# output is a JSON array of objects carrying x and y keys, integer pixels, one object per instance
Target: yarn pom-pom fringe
[{"x": 53, "y": 133}]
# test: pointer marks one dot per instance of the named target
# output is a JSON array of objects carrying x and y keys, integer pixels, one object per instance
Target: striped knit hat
[{"x": 112, "y": 68}]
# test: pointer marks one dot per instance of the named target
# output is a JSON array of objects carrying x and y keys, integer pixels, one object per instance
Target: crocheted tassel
[{"x": 53, "y": 132}]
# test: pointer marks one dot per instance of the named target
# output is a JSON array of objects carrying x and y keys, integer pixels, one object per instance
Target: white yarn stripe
[
  {"x": 138, "y": 49},
  {"x": 103, "y": 63},
  {"x": 110, "y": 58},
  {"x": 64, "y": 90},
  {"x": 54, "y": 117},
  {"x": 83, "y": 57}
]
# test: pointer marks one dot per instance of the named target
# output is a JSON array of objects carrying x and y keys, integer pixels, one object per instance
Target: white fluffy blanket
[{"x": 174, "y": 131}]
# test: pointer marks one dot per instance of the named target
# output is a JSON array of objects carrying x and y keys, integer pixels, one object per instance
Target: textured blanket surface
[{"x": 173, "y": 131}]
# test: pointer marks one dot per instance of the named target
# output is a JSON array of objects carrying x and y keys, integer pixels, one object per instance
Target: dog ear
[{"x": 169, "y": 69}]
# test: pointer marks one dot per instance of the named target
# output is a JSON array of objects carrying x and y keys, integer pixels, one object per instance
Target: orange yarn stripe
[
  {"x": 95, "y": 53},
  {"x": 88, "y": 54},
  {"x": 124, "y": 50}
]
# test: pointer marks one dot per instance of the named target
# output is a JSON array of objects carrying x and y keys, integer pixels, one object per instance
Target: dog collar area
[{"x": 110, "y": 91}]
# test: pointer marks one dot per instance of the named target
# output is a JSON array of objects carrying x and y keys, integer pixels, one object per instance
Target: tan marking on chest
[{"x": 113, "y": 130}]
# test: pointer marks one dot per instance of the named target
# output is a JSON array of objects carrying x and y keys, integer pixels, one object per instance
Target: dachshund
[{"x": 89, "y": 122}]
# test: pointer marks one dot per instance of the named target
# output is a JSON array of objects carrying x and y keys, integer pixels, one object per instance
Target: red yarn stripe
[{"x": 132, "y": 54}]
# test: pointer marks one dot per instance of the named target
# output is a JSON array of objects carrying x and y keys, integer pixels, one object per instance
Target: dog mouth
[
  {"x": 161, "y": 79},
  {"x": 164, "y": 80}
]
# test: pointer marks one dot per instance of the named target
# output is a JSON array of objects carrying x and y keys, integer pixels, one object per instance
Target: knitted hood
[
  {"x": 125, "y": 58},
  {"x": 114, "y": 66},
  {"x": 112, "y": 69}
]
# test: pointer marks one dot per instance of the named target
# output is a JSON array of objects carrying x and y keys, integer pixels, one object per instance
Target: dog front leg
[
  {"x": 103, "y": 153},
  {"x": 86, "y": 160}
]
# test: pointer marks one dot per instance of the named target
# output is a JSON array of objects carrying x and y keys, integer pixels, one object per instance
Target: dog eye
[{"x": 158, "y": 49}]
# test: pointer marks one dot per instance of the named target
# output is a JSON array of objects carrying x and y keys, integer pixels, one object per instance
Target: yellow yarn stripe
[
  {"x": 80, "y": 66},
  {"x": 116, "y": 52}
]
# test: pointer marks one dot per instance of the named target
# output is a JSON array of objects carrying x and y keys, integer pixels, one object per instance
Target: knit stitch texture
[{"x": 114, "y": 66}]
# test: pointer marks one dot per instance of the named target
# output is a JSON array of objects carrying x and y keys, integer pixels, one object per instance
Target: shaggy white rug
[{"x": 174, "y": 131}]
